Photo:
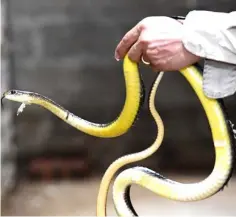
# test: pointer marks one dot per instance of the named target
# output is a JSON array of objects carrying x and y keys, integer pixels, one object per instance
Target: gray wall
[
  {"x": 8, "y": 149},
  {"x": 64, "y": 49}
]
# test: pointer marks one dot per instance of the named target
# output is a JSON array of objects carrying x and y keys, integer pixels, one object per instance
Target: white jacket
[{"x": 212, "y": 35}]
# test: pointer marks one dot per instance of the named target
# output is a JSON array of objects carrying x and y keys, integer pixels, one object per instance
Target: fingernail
[{"x": 117, "y": 57}]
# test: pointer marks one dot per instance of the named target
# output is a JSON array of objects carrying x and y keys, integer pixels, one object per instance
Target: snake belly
[
  {"x": 224, "y": 160},
  {"x": 124, "y": 121}
]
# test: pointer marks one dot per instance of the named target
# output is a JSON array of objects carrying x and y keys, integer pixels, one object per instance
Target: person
[{"x": 168, "y": 44}]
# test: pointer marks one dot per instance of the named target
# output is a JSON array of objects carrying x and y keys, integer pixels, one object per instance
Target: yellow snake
[
  {"x": 224, "y": 159},
  {"x": 221, "y": 134},
  {"x": 133, "y": 102}
]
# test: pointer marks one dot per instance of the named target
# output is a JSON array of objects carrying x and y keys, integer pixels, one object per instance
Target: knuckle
[
  {"x": 125, "y": 40},
  {"x": 144, "y": 41}
]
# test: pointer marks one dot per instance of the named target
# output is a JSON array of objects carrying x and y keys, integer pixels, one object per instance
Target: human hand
[{"x": 158, "y": 40}]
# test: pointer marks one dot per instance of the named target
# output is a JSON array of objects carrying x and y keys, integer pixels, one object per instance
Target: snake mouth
[{"x": 3, "y": 96}]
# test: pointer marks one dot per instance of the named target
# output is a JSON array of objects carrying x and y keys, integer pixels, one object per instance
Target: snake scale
[{"x": 220, "y": 128}]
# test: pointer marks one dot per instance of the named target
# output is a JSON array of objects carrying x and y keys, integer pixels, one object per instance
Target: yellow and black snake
[
  {"x": 221, "y": 134},
  {"x": 119, "y": 126}
]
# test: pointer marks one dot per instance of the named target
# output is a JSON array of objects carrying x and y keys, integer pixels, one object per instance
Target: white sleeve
[{"x": 211, "y": 35}]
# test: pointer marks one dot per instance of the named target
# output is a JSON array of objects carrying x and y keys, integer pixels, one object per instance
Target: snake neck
[
  {"x": 50, "y": 105},
  {"x": 124, "y": 121}
]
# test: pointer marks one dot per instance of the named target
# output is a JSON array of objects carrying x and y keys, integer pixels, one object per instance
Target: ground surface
[{"x": 79, "y": 198}]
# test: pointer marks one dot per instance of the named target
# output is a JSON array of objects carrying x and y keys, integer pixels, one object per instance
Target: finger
[
  {"x": 135, "y": 51},
  {"x": 127, "y": 41}
]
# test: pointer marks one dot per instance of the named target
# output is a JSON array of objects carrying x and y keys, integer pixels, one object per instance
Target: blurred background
[{"x": 64, "y": 49}]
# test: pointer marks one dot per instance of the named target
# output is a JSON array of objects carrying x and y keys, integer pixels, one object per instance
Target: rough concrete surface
[{"x": 79, "y": 198}]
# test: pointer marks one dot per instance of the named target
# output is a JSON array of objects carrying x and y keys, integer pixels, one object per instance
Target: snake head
[
  {"x": 6, "y": 95},
  {"x": 17, "y": 96}
]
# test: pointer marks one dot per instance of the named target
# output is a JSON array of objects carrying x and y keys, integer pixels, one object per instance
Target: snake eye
[{"x": 13, "y": 92}]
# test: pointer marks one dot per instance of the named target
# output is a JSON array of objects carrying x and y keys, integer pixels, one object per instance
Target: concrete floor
[{"x": 78, "y": 198}]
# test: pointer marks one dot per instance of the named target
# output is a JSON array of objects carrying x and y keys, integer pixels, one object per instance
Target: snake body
[
  {"x": 116, "y": 165},
  {"x": 224, "y": 158},
  {"x": 133, "y": 101},
  {"x": 224, "y": 150},
  {"x": 144, "y": 177}
]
